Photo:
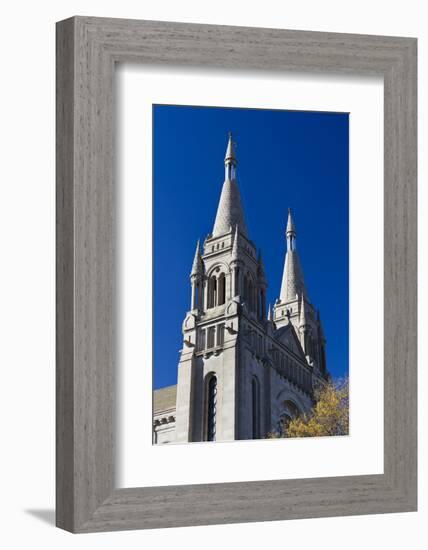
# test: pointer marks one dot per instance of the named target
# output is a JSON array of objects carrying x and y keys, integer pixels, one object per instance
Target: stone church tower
[{"x": 243, "y": 372}]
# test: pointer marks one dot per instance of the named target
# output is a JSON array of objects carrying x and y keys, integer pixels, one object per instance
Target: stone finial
[
  {"x": 235, "y": 246},
  {"x": 302, "y": 318},
  {"x": 230, "y": 155},
  {"x": 197, "y": 262},
  {"x": 291, "y": 228}
]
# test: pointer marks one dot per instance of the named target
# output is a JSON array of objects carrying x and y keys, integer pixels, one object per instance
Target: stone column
[{"x": 193, "y": 296}]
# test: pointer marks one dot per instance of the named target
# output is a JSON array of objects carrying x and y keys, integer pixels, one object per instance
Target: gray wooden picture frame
[{"x": 87, "y": 51}]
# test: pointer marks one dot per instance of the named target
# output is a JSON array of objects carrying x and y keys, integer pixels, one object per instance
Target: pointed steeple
[
  {"x": 293, "y": 284},
  {"x": 197, "y": 262},
  {"x": 269, "y": 315},
  {"x": 229, "y": 211}
]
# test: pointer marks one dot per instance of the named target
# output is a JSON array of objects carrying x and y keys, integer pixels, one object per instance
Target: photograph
[{"x": 251, "y": 274}]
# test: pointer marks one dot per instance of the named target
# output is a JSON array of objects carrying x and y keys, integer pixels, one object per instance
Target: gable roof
[{"x": 286, "y": 335}]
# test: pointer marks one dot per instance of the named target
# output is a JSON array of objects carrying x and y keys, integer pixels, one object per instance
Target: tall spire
[
  {"x": 293, "y": 284},
  {"x": 229, "y": 211}
]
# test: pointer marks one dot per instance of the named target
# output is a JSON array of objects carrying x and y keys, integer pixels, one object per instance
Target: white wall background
[{"x": 27, "y": 271}]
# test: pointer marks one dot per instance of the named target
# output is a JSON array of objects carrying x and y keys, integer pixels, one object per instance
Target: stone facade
[
  {"x": 243, "y": 371},
  {"x": 164, "y": 406}
]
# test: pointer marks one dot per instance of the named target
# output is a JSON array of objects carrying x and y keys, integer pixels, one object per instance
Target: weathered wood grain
[{"x": 87, "y": 49}]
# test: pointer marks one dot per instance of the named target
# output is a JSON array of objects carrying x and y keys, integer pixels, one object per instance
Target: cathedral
[{"x": 243, "y": 372}]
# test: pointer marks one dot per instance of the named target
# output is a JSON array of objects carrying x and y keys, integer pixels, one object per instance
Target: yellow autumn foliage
[{"x": 329, "y": 416}]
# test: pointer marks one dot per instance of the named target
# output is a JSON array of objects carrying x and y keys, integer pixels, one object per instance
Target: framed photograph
[{"x": 236, "y": 274}]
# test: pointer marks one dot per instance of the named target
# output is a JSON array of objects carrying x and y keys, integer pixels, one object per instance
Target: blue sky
[{"x": 285, "y": 159}]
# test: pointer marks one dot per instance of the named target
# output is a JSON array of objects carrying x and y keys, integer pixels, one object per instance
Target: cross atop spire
[
  {"x": 229, "y": 211},
  {"x": 230, "y": 156},
  {"x": 290, "y": 232},
  {"x": 291, "y": 228}
]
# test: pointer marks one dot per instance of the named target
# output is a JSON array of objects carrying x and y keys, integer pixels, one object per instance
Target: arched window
[
  {"x": 211, "y": 408},
  {"x": 237, "y": 289},
  {"x": 212, "y": 291},
  {"x": 197, "y": 295},
  {"x": 245, "y": 289},
  {"x": 221, "y": 290},
  {"x": 255, "y": 399},
  {"x": 250, "y": 295}
]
